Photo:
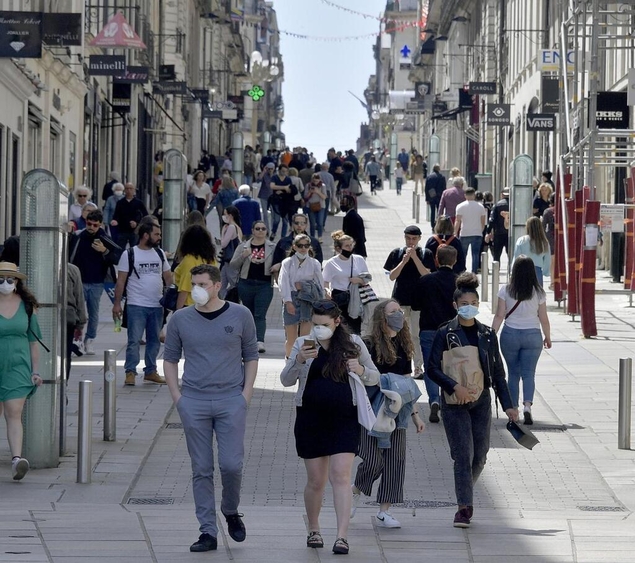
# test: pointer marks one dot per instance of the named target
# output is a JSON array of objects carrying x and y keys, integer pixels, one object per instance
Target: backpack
[
  {"x": 441, "y": 244},
  {"x": 131, "y": 269},
  {"x": 29, "y": 314}
]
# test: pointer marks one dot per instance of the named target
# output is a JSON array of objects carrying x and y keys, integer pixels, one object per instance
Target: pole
[
  {"x": 496, "y": 271},
  {"x": 110, "y": 396},
  {"x": 414, "y": 204},
  {"x": 417, "y": 208},
  {"x": 85, "y": 432},
  {"x": 393, "y": 161},
  {"x": 237, "y": 157},
  {"x": 624, "y": 406},
  {"x": 484, "y": 277}
]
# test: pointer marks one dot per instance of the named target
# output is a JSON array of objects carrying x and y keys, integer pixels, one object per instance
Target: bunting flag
[{"x": 424, "y": 11}]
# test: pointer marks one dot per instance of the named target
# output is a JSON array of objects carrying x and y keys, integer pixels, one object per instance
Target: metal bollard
[
  {"x": 624, "y": 404},
  {"x": 496, "y": 272},
  {"x": 417, "y": 208},
  {"x": 85, "y": 432},
  {"x": 110, "y": 396},
  {"x": 484, "y": 277},
  {"x": 414, "y": 204}
]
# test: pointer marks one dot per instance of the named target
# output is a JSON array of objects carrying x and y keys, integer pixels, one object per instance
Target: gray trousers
[{"x": 201, "y": 418}]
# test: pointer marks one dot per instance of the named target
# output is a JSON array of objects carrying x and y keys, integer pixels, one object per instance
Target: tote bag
[{"x": 462, "y": 364}]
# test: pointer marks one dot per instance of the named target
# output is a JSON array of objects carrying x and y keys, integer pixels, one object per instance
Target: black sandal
[
  {"x": 340, "y": 547},
  {"x": 314, "y": 539}
]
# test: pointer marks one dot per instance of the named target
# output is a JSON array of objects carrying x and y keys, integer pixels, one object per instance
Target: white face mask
[
  {"x": 322, "y": 332},
  {"x": 200, "y": 295},
  {"x": 225, "y": 219},
  {"x": 301, "y": 255},
  {"x": 7, "y": 288}
]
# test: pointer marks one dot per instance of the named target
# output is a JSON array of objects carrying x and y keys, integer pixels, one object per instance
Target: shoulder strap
[
  {"x": 131, "y": 267},
  {"x": 29, "y": 314},
  {"x": 74, "y": 240},
  {"x": 448, "y": 241},
  {"x": 512, "y": 309},
  {"x": 438, "y": 239}
]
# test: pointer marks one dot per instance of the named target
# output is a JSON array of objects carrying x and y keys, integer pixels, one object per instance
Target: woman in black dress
[{"x": 326, "y": 430}]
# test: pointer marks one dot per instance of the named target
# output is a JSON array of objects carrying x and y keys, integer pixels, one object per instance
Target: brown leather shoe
[
  {"x": 130, "y": 378},
  {"x": 154, "y": 377}
]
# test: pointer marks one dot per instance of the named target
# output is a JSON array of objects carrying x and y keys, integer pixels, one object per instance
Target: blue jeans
[
  {"x": 475, "y": 241},
  {"x": 327, "y": 208},
  {"x": 149, "y": 319},
  {"x": 467, "y": 428},
  {"x": 521, "y": 349},
  {"x": 316, "y": 220},
  {"x": 92, "y": 295},
  {"x": 399, "y": 184},
  {"x": 426, "y": 338},
  {"x": 256, "y": 295},
  {"x": 276, "y": 221},
  {"x": 539, "y": 275}
]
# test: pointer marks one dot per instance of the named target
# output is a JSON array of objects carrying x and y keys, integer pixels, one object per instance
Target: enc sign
[
  {"x": 541, "y": 122},
  {"x": 549, "y": 60}
]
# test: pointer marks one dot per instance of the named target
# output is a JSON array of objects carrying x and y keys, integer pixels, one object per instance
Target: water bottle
[{"x": 118, "y": 324}]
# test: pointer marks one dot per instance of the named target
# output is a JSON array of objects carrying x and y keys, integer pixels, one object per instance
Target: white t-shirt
[
  {"x": 337, "y": 271},
  {"x": 201, "y": 191},
  {"x": 471, "y": 213},
  {"x": 147, "y": 289},
  {"x": 526, "y": 314}
]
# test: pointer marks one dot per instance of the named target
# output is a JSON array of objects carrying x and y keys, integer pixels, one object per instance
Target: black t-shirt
[
  {"x": 402, "y": 366},
  {"x": 405, "y": 284},
  {"x": 257, "y": 266},
  {"x": 211, "y": 316},
  {"x": 472, "y": 334}
]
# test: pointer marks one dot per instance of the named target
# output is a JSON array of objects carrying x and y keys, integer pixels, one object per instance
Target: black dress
[{"x": 326, "y": 423}]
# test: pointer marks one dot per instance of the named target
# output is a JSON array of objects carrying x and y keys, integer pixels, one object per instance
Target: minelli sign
[{"x": 541, "y": 122}]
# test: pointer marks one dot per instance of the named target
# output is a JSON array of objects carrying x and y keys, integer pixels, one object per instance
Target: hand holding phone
[{"x": 309, "y": 343}]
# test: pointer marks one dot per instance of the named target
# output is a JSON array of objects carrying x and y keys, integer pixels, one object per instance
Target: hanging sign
[
  {"x": 167, "y": 88},
  {"x": 550, "y": 94},
  {"x": 541, "y": 122},
  {"x": 499, "y": 114},
  {"x": 121, "y": 94},
  {"x": 481, "y": 88},
  {"x": 612, "y": 110},
  {"x": 118, "y": 33},
  {"x": 134, "y": 75},
  {"x": 63, "y": 29},
  {"x": 107, "y": 65},
  {"x": 21, "y": 35}
]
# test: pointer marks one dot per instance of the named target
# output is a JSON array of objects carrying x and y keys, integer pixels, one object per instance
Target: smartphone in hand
[{"x": 310, "y": 343}]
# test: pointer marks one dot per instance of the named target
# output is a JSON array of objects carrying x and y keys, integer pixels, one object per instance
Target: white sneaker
[
  {"x": 19, "y": 468},
  {"x": 261, "y": 347},
  {"x": 357, "y": 500},
  {"x": 89, "y": 349},
  {"x": 386, "y": 520}
]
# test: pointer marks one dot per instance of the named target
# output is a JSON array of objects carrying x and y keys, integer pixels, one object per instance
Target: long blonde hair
[{"x": 537, "y": 239}]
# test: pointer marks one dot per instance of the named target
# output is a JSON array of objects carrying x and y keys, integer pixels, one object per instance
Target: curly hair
[
  {"x": 197, "y": 241},
  {"x": 382, "y": 343}
]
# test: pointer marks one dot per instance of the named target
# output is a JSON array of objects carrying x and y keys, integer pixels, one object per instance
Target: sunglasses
[
  {"x": 324, "y": 306},
  {"x": 82, "y": 195},
  {"x": 303, "y": 245},
  {"x": 10, "y": 281},
  {"x": 259, "y": 229},
  {"x": 91, "y": 224}
]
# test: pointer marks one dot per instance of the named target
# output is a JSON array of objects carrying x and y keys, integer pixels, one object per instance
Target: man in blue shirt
[{"x": 249, "y": 209}]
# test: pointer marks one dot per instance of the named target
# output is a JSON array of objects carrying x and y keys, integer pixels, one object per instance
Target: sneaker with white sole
[
  {"x": 357, "y": 500},
  {"x": 19, "y": 468},
  {"x": 261, "y": 347},
  {"x": 89, "y": 349},
  {"x": 384, "y": 519}
]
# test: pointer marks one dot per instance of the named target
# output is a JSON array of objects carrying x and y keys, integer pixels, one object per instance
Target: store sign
[
  {"x": 200, "y": 94},
  {"x": 612, "y": 217},
  {"x": 167, "y": 72},
  {"x": 208, "y": 113},
  {"x": 499, "y": 114},
  {"x": 170, "y": 88},
  {"x": 549, "y": 60},
  {"x": 134, "y": 75},
  {"x": 107, "y": 65},
  {"x": 422, "y": 89},
  {"x": 481, "y": 88},
  {"x": 62, "y": 29},
  {"x": 121, "y": 94},
  {"x": 541, "y": 122},
  {"x": 21, "y": 35},
  {"x": 612, "y": 110},
  {"x": 550, "y": 94}
]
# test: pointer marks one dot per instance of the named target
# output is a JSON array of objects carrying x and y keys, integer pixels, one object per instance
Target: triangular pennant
[{"x": 118, "y": 33}]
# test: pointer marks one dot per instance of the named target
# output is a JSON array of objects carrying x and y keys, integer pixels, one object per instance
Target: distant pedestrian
[
  {"x": 128, "y": 213},
  {"x": 280, "y": 200},
  {"x": 327, "y": 431},
  {"x": 522, "y": 306},
  {"x": 471, "y": 218},
  {"x": 19, "y": 357},
  {"x": 383, "y": 453},
  {"x": 404, "y": 159},
  {"x": 143, "y": 271},
  {"x": 315, "y": 197},
  {"x": 434, "y": 188},
  {"x": 451, "y": 198},
  {"x": 76, "y": 317},
  {"x": 265, "y": 192},
  {"x": 353, "y": 224},
  {"x": 467, "y": 410},
  {"x": 109, "y": 187},
  {"x": 299, "y": 226},
  {"x": 399, "y": 177},
  {"x": 549, "y": 225},
  {"x": 373, "y": 170},
  {"x": 497, "y": 231},
  {"x": 217, "y": 386},
  {"x": 434, "y": 298},
  {"x": 419, "y": 172},
  {"x": 109, "y": 209},
  {"x": 541, "y": 201},
  {"x": 536, "y": 246},
  {"x": 201, "y": 191},
  {"x": 248, "y": 208},
  {"x": 444, "y": 236},
  {"x": 332, "y": 205},
  {"x": 231, "y": 237}
]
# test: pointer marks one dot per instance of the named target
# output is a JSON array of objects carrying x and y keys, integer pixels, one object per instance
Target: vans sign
[{"x": 541, "y": 122}]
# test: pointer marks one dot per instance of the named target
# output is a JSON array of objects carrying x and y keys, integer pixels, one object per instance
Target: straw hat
[{"x": 10, "y": 270}]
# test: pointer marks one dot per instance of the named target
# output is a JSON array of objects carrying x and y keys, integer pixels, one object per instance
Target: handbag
[
  {"x": 355, "y": 187},
  {"x": 168, "y": 301},
  {"x": 463, "y": 365},
  {"x": 367, "y": 294},
  {"x": 315, "y": 206},
  {"x": 343, "y": 298},
  {"x": 522, "y": 435}
]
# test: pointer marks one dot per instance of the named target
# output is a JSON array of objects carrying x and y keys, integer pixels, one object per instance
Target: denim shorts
[{"x": 288, "y": 319}]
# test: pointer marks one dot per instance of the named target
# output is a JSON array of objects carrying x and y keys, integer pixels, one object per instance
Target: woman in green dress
[{"x": 19, "y": 357}]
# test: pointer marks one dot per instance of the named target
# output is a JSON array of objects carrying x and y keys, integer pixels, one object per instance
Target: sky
[{"x": 319, "y": 111}]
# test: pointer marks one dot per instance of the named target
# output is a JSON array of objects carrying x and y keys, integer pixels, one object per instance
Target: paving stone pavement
[{"x": 571, "y": 499}]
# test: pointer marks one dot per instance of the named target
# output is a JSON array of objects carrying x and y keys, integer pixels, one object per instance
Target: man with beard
[
  {"x": 143, "y": 271},
  {"x": 299, "y": 226}
]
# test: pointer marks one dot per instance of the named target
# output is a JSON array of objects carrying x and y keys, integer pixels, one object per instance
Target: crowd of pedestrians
[{"x": 354, "y": 357}]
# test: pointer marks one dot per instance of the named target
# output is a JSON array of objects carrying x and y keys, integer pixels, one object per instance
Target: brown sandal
[
  {"x": 314, "y": 539},
  {"x": 340, "y": 547}
]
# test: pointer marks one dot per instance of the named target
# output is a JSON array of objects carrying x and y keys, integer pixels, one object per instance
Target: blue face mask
[{"x": 468, "y": 312}]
